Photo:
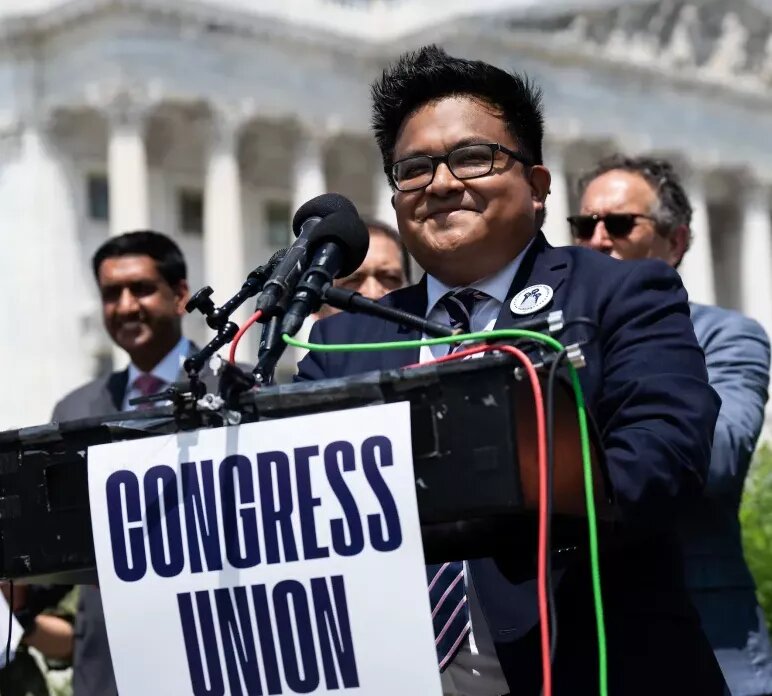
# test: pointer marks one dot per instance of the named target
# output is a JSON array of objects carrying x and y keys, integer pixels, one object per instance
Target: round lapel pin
[{"x": 531, "y": 299}]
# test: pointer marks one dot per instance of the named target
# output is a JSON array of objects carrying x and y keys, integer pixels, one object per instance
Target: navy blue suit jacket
[{"x": 646, "y": 386}]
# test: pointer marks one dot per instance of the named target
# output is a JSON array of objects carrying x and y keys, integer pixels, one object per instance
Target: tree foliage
[{"x": 756, "y": 519}]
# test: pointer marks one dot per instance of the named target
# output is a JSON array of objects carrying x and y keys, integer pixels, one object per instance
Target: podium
[{"x": 474, "y": 452}]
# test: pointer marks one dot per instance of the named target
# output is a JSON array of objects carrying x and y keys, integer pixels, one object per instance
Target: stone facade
[{"x": 212, "y": 120}]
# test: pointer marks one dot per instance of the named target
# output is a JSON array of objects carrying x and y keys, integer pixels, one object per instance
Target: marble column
[
  {"x": 224, "y": 263},
  {"x": 696, "y": 269},
  {"x": 45, "y": 304},
  {"x": 756, "y": 254},
  {"x": 127, "y": 168},
  {"x": 555, "y": 227},
  {"x": 308, "y": 179}
]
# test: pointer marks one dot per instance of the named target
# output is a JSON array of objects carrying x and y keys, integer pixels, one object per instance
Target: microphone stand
[{"x": 233, "y": 380}]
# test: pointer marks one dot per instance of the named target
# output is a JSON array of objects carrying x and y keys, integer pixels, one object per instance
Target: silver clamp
[{"x": 216, "y": 404}]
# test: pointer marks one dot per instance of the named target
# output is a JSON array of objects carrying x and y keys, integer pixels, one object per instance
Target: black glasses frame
[
  {"x": 617, "y": 225},
  {"x": 445, "y": 159}
]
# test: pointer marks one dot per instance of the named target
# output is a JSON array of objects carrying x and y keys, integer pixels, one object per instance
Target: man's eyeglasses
[
  {"x": 617, "y": 224},
  {"x": 468, "y": 162}
]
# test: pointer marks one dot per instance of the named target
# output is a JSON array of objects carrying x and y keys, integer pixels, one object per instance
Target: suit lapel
[
  {"x": 542, "y": 265},
  {"x": 411, "y": 299},
  {"x": 111, "y": 397}
]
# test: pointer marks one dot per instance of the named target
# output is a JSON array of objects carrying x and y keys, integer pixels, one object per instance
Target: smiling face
[
  {"x": 141, "y": 311},
  {"x": 462, "y": 231}
]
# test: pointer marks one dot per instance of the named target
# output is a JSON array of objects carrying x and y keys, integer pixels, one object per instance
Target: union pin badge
[{"x": 531, "y": 299}]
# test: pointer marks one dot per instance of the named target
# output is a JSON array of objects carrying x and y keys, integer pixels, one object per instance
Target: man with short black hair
[
  {"x": 461, "y": 146},
  {"x": 142, "y": 280},
  {"x": 636, "y": 207}
]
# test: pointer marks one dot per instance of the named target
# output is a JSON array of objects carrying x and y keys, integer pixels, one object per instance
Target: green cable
[{"x": 583, "y": 436}]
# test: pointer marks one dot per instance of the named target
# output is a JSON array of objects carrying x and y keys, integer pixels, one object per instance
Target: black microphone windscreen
[
  {"x": 350, "y": 233},
  {"x": 278, "y": 256},
  {"x": 321, "y": 207}
]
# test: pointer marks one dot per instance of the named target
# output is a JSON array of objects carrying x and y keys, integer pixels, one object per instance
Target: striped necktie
[
  {"x": 450, "y": 612},
  {"x": 447, "y": 594},
  {"x": 460, "y": 305},
  {"x": 147, "y": 384}
]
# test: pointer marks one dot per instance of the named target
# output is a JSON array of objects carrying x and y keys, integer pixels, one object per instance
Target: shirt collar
[
  {"x": 496, "y": 285},
  {"x": 168, "y": 368}
]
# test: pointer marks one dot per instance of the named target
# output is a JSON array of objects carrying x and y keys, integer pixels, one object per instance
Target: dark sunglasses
[{"x": 616, "y": 224}]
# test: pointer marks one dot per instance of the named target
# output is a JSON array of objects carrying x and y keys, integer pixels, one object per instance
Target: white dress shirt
[
  {"x": 167, "y": 370},
  {"x": 475, "y": 671}
]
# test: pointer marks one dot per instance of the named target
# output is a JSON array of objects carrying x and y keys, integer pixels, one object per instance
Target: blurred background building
[{"x": 213, "y": 120}]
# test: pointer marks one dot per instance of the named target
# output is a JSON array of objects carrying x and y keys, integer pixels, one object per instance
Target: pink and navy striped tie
[
  {"x": 459, "y": 305},
  {"x": 450, "y": 612},
  {"x": 447, "y": 594}
]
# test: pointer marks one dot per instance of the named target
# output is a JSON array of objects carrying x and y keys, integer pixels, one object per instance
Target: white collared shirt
[
  {"x": 167, "y": 370},
  {"x": 485, "y": 313},
  {"x": 475, "y": 671}
]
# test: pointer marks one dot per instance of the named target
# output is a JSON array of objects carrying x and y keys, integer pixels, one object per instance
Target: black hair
[
  {"x": 429, "y": 74},
  {"x": 673, "y": 209},
  {"x": 166, "y": 254},
  {"x": 375, "y": 226}
]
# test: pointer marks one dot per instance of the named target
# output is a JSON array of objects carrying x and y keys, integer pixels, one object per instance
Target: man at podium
[{"x": 461, "y": 145}]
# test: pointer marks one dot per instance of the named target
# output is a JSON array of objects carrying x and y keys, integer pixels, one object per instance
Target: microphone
[
  {"x": 343, "y": 244},
  {"x": 289, "y": 270}
]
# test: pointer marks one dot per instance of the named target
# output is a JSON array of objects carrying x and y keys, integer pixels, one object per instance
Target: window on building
[
  {"x": 98, "y": 195},
  {"x": 278, "y": 219},
  {"x": 190, "y": 211}
]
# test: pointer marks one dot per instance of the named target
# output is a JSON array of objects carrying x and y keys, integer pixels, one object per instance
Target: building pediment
[{"x": 728, "y": 41}]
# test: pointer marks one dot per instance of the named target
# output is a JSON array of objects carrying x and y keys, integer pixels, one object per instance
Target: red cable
[
  {"x": 241, "y": 332},
  {"x": 541, "y": 435}
]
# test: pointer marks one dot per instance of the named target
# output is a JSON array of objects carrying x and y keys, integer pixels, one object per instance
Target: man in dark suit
[
  {"x": 143, "y": 287},
  {"x": 461, "y": 144},
  {"x": 635, "y": 207}
]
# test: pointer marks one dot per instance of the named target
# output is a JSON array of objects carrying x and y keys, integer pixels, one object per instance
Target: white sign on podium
[{"x": 278, "y": 557}]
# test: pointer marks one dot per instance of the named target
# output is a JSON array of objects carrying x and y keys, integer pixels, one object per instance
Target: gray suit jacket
[
  {"x": 92, "y": 664},
  {"x": 737, "y": 354}
]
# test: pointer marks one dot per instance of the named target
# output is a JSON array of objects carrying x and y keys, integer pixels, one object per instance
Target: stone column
[
  {"x": 756, "y": 254},
  {"x": 44, "y": 307},
  {"x": 308, "y": 180},
  {"x": 224, "y": 263},
  {"x": 696, "y": 269},
  {"x": 555, "y": 226},
  {"x": 127, "y": 167}
]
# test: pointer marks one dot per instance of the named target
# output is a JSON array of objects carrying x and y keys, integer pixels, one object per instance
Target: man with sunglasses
[
  {"x": 632, "y": 208},
  {"x": 461, "y": 143}
]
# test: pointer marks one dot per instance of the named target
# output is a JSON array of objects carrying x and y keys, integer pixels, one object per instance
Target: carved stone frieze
[{"x": 724, "y": 41}]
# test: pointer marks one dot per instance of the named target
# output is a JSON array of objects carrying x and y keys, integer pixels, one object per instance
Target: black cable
[
  {"x": 583, "y": 321},
  {"x": 550, "y": 427},
  {"x": 10, "y": 624}
]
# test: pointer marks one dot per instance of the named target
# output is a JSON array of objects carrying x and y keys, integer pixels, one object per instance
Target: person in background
[
  {"x": 142, "y": 280},
  {"x": 633, "y": 208},
  {"x": 385, "y": 268},
  {"x": 41, "y": 664}
]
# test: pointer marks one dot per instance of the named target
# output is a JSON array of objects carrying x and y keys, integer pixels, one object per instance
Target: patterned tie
[
  {"x": 447, "y": 594},
  {"x": 460, "y": 305},
  {"x": 147, "y": 384},
  {"x": 450, "y": 613}
]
